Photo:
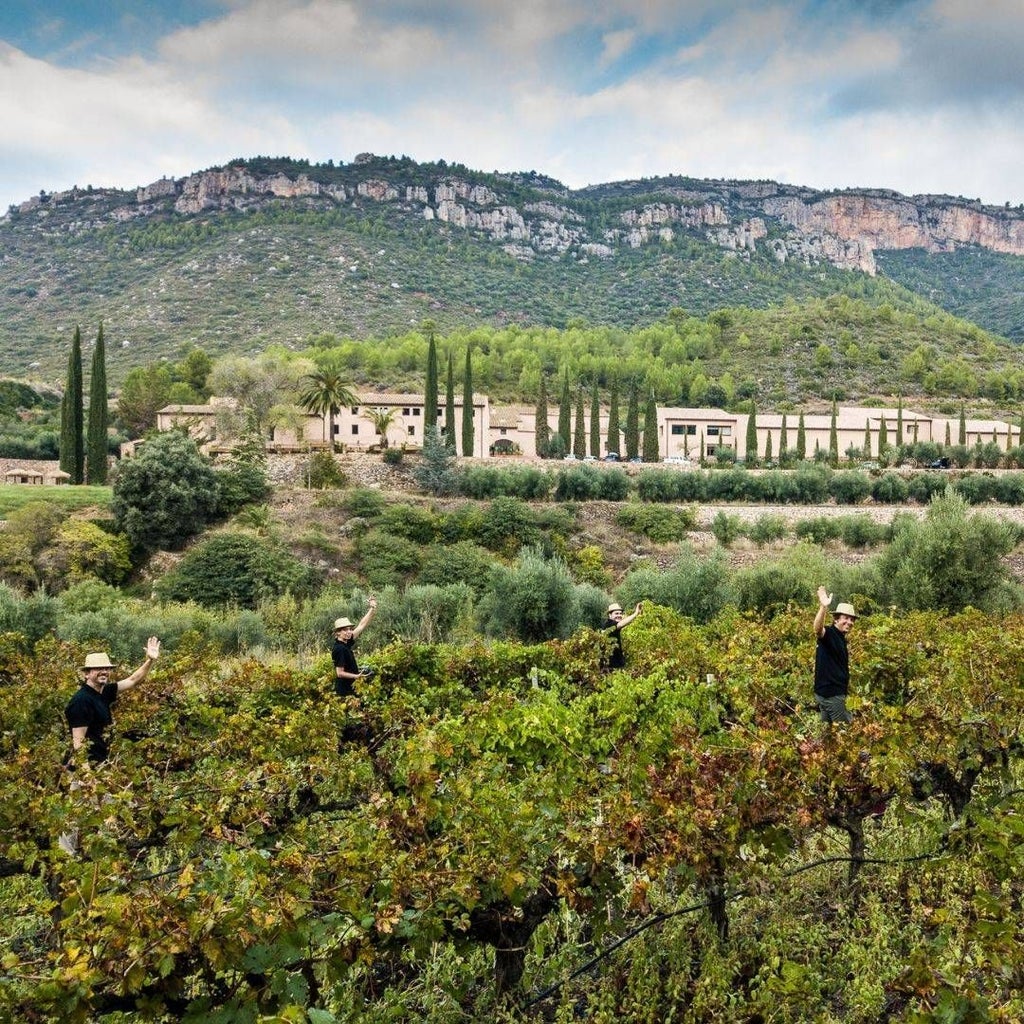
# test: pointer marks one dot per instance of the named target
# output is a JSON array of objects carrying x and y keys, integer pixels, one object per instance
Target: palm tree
[
  {"x": 325, "y": 393},
  {"x": 382, "y": 419}
]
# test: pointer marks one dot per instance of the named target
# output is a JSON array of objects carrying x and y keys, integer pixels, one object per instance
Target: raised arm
[
  {"x": 824, "y": 600},
  {"x": 366, "y": 619},
  {"x": 627, "y": 619},
  {"x": 152, "y": 653}
]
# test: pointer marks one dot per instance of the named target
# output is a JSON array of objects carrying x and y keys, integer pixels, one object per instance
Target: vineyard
[{"x": 504, "y": 832}]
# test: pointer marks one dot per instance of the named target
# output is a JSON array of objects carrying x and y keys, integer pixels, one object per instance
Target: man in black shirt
[
  {"x": 832, "y": 659},
  {"x": 346, "y": 671},
  {"x": 613, "y": 626}
]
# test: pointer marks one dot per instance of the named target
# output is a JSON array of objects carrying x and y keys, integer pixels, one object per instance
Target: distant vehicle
[
  {"x": 612, "y": 457},
  {"x": 678, "y": 460},
  {"x": 569, "y": 458},
  {"x": 942, "y": 463},
  {"x": 636, "y": 458},
  {"x": 590, "y": 458}
]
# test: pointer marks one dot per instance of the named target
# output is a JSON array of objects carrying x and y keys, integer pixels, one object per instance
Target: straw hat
[
  {"x": 845, "y": 609},
  {"x": 343, "y": 624},
  {"x": 98, "y": 660},
  {"x": 614, "y": 608}
]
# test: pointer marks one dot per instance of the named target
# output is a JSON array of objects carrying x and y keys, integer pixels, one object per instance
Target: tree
[
  {"x": 867, "y": 438},
  {"x": 430, "y": 390},
  {"x": 383, "y": 420},
  {"x": 143, "y": 394},
  {"x": 467, "y": 406},
  {"x": 949, "y": 440},
  {"x": 263, "y": 387},
  {"x": 783, "y": 443},
  {"x": 72, "y": 445},
  {"x": 632, "y": 424},
  {"x": 325, "y": 393},
  {"x": 449, "y": 405},
  {"x": 752, "y": 436},
  {"x": 595, "y": 423},
  {"x": 614, "y": 431},
  {"x": 883, "y": 437},
  {"x": 801, "y": 439},
  {"x": 97, "y": 444},
  {"x": 652, "y": 447},
  {"x": 962, "y": 438},
  {"x": 434, "y": 472},
  {"x": 165, "y": 494},
  {"x": 194, "y": 370},
  {"x": 768, "y": 447},
  {"x": 899, "y": 422},
  {"x": 579, "y": 437},
  {"x": 565, "y": 415},
  {"x": 833, "y": 436},
  {"x": 542, "y": 432}
]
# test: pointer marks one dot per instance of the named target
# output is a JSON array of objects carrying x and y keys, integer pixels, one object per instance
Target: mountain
[{"x": 272, "y": 250}]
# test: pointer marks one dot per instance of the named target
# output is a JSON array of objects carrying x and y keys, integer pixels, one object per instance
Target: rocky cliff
[{"x": 845, "y": 229}]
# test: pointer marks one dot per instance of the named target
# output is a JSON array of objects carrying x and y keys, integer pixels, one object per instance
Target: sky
[{"x": 920, "y": 96}]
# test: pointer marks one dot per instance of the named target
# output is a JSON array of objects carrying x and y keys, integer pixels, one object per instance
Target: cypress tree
[
  {"x": 542, "y": 432},
  {"x": 768, "y": 448},
  {"x": 949, "y": 440},
  {"x": 833, "y": 437},
  {"x": 614, "y": 433},
  {"x": 96, "y": 447},
  {"x": 801, "y": 440},
  {"x": 867, "y": 438},
  {"x": 595, "y": 423},
  {"x": 632, "y": 425},
  {"x": 963, "y": 426},
  {"x": 652, "y": 448},
  {"x": 579, "y": 438},
  {"x": 751, "y": 453},
  {"x": 883, "y": 437},
  {"x": 467, "y": 407},
  {"x": 449, "y": 406},
  {"x": 72, "y": 445},
  {"x": 430, "y": 390},
  {"x": 899, "y": 422},
  {"x": 783, "y": 442},
  {"x": 565, "y": 415}
]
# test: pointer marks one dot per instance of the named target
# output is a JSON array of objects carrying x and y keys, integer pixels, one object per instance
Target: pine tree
[
  {"x": 72, "y": 445},
  {"x": 542, "y": 432},
  {"x": 652, "y": 447},
  {"x": 449, "y": 406},
  {"x": 565, "y": 415},
  {"x": 595, "y": 423},
  {"x": 632, "y": 425},
  {"x": 801, "y": 440},
  {"x": 96, "y": 446},
  {"x": 833, "y": 437},
  {"x": 430, "y": 390},
  {"x": 751, "y": 453},
  {"x": 579, "y": 437},
  {"x": 614, "y": 433},
  {"x": 467, "y": 407}
]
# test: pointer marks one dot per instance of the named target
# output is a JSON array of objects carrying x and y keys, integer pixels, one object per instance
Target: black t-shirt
[
  {"x": 617, "y": 656},
  {"x": 831, "y": 664},
  {"x": 345, "y": 659},
  {"x": 91, "y": 709}
]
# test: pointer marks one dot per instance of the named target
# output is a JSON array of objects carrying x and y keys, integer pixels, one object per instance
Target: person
[
  {"x": 613, "y": 626},
  {"x": 89, "y": 717},
  {"x": 832, "y": 659},
  {"x": 346, "y": 669}
]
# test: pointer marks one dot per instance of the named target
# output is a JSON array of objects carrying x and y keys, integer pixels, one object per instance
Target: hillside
[{"x": 267, "y": 251}]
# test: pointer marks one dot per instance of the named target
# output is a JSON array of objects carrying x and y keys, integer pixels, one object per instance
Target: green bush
[
  {"x": 731, "y": 485},
  {"x": 508, "y": 525},
  {"x": 767, "y": 528},
  {"x": 426, "y": 613},
  {"x": 386, "y": 560},
  {"x": 861, "y": 531},
  {"x": 393, "y": 456},
  {"x": 461, "y": 562},
  {"x": 695, "y": 587},
  {"x": 31, "y": 618},
  {"x": 235, "y": 569},
  {"x": 1009, "y": 489},
  {"x": 615, "y": 485},
  {"x": 409, "y": 521},
  {"x": 726, "y": 528},
  {"x": 365, "y": 502},
  {"x": 532, "y": 600},
  {"x": 819, "y": 530},
  {"x": 322, "y": 472},
  {"x": 850, "y": 487},
  {"x": 463, "y": 523},
  {"x": 922, "y": 487},
  {"x": 890, "y": 489},
  {"x": 241, "y": 485},
  {"x": 811, "y": 484},
  {"x": 977, "y": 488},
  {"x": 527, "y": 482},
  {"x": 580, "y": 483},
  {"x": 662, "y": 525}
]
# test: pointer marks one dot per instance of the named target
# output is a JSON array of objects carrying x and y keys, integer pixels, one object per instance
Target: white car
[{"x": 678, "y": 460}]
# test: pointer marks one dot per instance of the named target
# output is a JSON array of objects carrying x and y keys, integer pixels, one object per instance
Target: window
[
  {"x": 678, "y": 428},
  {"x": 712, "y": 431},
  {"x": 355, "y": 410},
  {"x": 503, "y": 431},
  {"x": 412, "y": 430},
  {"x": 405, "y": 412},
  {"x": 336, "y": 429},
  {"x": 355, "y": 428},
  {"x": 416, "y": 411}
]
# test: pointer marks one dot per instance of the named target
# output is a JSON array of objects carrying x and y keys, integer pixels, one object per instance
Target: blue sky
[{"x": 921, "y": 96}]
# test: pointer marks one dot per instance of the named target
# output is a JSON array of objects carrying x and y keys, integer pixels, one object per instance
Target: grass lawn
[{"x": 13, "y": 496}]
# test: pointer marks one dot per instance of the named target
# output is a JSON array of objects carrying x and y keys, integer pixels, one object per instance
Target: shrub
[
  {"x": 615, "y": 485},
  {"x": 461, "y": 562},
  {"x": 365, "y": 503},
  {"x": 463, "y": 523},
  {"x": 811, "y": 484},
  {"x": 507, "y": 526},
  {"x": 697, "y": 588},
  {"x": 819, "y": 530},
  {"x": 977, "y": 488},
  {"x": 922, "y": 487},
  {"x": 732, "y": 485},
  {"x": 31, "y": 618},
  {"x": 89, "y": 595},
  {"x": 409, "y": 521},
  {"x": 235, "y": 569},
  {"x": 82, "y": 550},
  {"x": 241, "y": 485},
  {"x": 862, "y": 531},
  {"x": 1009, "y": 489},
  {"x": 767, "y": 528},
  {"x": 889, "y": 489},
  {"x": 393, "y": 456},
  {"x": 532, "y": 600},
  {"x": 662, "y": 525},
  {"x": 588, "y": 565},
  {"x": 426, "y": 613},
  {"x": 726, "y": 528},
  {"x": 322, "y": 472},
  {"x": 165, "y": 494},
  {"x": 850, "y": 487},
  {"x": 386, "y": 560},
  {"x": 581, "y": 483}
]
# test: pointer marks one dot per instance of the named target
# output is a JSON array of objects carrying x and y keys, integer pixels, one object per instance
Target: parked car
[
  {"x": 942, "y": 463},
  {"x": 678, "y": 460},
  {"x": 612, "y": 457},
  {"x": 569, "y": 458},
  {"x": 590, "y": 458}
]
